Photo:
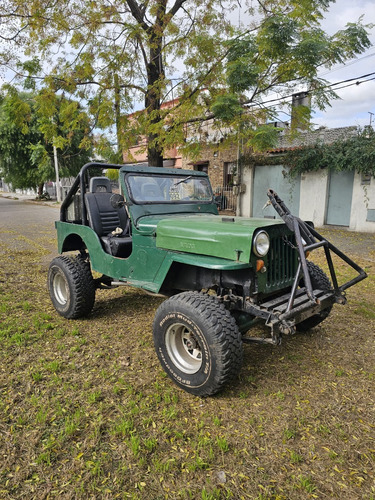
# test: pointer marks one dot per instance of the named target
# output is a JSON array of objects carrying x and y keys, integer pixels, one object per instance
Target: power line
[
  {"x": 262, "y": 105},
  {"x": 351, "y": 79},
  {"x": 344, "y": 65},
  {"x": 355, "y": 81}
]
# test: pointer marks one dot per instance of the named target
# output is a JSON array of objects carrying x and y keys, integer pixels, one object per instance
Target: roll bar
[{"x": 80, "y": 183}]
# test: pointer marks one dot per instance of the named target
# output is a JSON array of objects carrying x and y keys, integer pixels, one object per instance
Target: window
[
  {"x": 229, "y": 173},
  {"x": 201, "y": 166},
  {"x": 168, "y": 189}
]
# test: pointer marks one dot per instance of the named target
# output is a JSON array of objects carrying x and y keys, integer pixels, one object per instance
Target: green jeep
[{"x": 221, "y": 274}]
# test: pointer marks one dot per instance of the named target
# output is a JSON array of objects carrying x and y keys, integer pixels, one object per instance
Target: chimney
[{"x": 301, "y": 111}]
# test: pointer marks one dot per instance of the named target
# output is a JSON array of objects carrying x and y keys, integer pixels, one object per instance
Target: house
[
  {"x": 345, "y": 198},
  {"x": 337, "y": 198}
]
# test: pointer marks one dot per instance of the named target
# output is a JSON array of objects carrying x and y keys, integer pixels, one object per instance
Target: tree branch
[
  {"x": 176, "y": 7},
  {"x": 137, "y": 13}
]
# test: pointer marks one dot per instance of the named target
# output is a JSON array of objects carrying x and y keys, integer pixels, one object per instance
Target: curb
[{"x": 29, "y": 199}]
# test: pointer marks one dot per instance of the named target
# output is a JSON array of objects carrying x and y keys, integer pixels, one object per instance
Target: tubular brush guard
[{"x": 307, "y": 239}]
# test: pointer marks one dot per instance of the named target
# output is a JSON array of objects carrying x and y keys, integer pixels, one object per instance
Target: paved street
[{"x": 27, "y": 225}]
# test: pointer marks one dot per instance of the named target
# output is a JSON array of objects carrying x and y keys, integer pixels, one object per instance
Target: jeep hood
[{"x": 226, "y": 237}]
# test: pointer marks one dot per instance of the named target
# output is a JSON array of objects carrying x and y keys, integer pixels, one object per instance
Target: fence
[{"x": 226, "y": 198}]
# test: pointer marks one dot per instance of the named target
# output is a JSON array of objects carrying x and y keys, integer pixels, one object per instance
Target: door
[
  {"x": 340, "y": 198},
  {"x": 274, "y": 177}
]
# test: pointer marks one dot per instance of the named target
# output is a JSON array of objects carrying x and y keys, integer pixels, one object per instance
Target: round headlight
[{"x": 261, "y": 244}]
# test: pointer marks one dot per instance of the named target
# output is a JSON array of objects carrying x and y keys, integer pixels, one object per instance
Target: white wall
[
  {"x": 246, "y": 200},
  {"x": 363, "y": 199},
  {"x": 313, "y": 197}
]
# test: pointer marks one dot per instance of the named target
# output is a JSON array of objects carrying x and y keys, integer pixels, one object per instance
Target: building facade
[{"x": 344, "y": 199}]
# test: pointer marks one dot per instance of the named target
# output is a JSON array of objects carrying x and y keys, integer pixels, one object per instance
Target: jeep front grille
[{"x": 282, "y": 262}]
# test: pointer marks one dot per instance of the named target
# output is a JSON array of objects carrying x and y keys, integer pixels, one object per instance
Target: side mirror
[{"x": 117, "y": 200}]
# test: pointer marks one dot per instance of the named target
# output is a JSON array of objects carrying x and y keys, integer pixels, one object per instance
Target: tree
[
  {"x": 27, "y": 135},
  {"x": 113, "y": 53}
]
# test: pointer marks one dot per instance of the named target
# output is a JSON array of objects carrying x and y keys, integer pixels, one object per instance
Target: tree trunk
[
  {"x": 155, "y": 156},
  {"x": 155, "y": 77},
  {"x": 119, "y": 155},
  {"x": 40, "y": 188},
  {"x": 152, "y": 104}
]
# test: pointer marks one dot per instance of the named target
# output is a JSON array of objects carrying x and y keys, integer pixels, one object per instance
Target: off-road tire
[
  {"x": 71, "y": 286},
  {"x": 319, "y": 280},
  {"x": 197, "y": 342}
]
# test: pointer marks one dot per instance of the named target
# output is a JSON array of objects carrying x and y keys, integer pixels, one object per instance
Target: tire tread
[
  {"x": 320, "y": 280},
  {"x": 78, "y": 272},
  {"x": 227, "y": 337}
]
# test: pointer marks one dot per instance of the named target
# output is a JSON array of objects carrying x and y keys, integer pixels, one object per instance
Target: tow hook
[
  {"x": 286, "y": 329},
  {"x": 341, "y": 299}
]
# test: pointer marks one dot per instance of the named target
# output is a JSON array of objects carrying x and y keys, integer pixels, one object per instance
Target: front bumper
[{"x": 282, "y": 316}]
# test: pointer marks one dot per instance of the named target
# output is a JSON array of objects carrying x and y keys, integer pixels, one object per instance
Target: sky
[{"x": 357, "y": 100}]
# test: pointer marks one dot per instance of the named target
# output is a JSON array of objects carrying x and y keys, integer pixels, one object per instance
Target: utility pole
[
  {"x": 371, "y": 115},
  {"x": 58, "y": 189}
]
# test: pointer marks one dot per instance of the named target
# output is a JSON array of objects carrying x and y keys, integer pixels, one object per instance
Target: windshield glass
[{"x": 168, "y": 188}]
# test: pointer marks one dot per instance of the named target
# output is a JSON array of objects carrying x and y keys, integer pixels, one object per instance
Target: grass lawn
[{"x": 87, "y": 412}]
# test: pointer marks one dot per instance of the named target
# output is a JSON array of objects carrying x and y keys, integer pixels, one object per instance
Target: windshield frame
[{"x": 180, "y": 179}]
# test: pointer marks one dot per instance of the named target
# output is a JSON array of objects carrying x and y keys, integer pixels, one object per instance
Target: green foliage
[
  {"x": 242, "y": 69},
  {"x": 277, "y": 34},
  {"x": 354, "y": 153},
  {"x": 226, "y": 107},
  {"x": 15, "y": 139},
  {"x": 305, "y": 483},
  {"x": 30, "y": 67},
  {"x": 30, "y": 124},
  {"x": 115, "y": 56},
  {"x": 263, "y": 137}
]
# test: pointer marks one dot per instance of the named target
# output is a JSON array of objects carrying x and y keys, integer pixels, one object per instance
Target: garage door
[
  {"x": 273, "y": 176},
  {"x": 340, "y": 198}
]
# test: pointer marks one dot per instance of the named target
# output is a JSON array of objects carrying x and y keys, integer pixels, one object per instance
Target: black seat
[{"x": 104, "y": 218}]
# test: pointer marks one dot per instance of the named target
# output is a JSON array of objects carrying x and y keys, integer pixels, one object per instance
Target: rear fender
[{"x": 81, "y": 237}]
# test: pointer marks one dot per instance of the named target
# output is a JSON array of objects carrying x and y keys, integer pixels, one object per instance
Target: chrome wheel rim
[
  {"x": 183, "y": 348},
  {"x": 60, "y": 289}
]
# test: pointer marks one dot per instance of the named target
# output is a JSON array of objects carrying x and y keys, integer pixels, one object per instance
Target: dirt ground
[{"x": 353, "y": 243}]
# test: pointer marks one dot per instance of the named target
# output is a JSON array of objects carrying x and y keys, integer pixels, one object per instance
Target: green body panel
[
  {"x": 138, "y": 269},
  {"x": 224, "y": 237},
  {"x": 147, "y": 266}
]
